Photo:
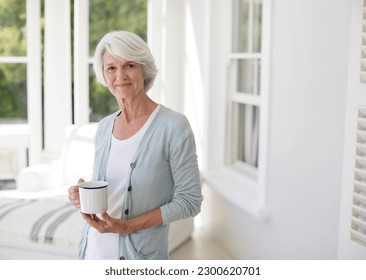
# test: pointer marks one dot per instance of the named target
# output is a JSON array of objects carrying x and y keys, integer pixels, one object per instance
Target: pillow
[
  {"x": 38, "y": 177},
  {"x": 78, "y": 155}
]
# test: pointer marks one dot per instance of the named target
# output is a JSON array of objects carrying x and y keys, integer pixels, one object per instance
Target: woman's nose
[{"x": 121, "y": 74}]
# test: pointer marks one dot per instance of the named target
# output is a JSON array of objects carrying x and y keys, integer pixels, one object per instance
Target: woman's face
[{"x": 124, "y": 78}]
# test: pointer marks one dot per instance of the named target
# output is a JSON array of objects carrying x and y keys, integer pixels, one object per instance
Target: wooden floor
[{"x": 200, "y": 247}]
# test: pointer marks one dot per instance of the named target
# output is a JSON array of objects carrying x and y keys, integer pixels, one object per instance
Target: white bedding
[
  {"x": 44, "y": 222},
  {"x": 43, "y": 225}
]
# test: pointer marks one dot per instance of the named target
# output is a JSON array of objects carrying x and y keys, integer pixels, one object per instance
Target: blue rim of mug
[{"x": 93, "y": 188}]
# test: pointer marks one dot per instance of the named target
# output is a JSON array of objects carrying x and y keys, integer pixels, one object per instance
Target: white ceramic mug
[{"x": 93, "y": 196}]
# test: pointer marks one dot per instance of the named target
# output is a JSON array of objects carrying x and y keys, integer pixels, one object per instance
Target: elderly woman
[{"x": 146, "y": 152}]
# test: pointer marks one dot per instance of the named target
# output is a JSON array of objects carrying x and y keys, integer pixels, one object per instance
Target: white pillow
[
  {"x": 78, "y": 156},
  {"x": 38, "y": 177}
]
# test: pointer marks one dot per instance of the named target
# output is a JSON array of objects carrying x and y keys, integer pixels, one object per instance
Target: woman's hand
[
  {"x": 74, "y": 194},
  {"x": 108, "y": 224}
]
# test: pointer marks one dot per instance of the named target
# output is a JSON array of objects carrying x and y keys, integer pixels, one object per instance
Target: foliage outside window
[
  {"x": 13, "y": 62},
  {"x": 105, "y": 16}
]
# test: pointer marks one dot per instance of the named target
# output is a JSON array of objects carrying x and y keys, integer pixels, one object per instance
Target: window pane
[
  {"x": 247, "y": 26},
  {"x": 257, "y": 25},
  {"x": 241, "y": 26},
  {"x": 105, "y": 16},
  {"x": 13, "y": 93},
  {"x": 108, "y": 15},
  {"x": 12, "y": 28},
  {"x": 248, "y": 76},
  {"x": 248, "y": 132}
]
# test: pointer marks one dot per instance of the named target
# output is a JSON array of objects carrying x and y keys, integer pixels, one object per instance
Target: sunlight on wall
[{"x": 194, "y": 80}]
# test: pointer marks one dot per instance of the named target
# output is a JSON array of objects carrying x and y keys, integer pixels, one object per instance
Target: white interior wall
[
  {"x": 309, "y": 75},
  {"x": 196, "y": 70},
  {"x": 308, "y": 94}
]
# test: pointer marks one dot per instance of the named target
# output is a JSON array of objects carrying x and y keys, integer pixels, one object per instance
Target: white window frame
[
  {"x": 34, "y": 84},
  {"x": 34, "y": 79},
  {"x": 241, "y": 184},
  {"x": 45, "y": 126},
  {"x": 81, "y": 62},
  {"x": 237, "y": 98}
]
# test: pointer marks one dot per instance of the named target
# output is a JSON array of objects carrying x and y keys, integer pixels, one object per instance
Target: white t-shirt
[{"x": 104, "y": 246}]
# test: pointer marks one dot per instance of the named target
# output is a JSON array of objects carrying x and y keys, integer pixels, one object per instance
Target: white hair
[{"x": 128, "y": 46}]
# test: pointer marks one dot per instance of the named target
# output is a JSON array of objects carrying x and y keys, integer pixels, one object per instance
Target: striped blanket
[{"x": 47, "y": 224}]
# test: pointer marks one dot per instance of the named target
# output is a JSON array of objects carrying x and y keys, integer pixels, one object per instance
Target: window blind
[
  {"x": 363, "y": 45},
  {"x": 358, "y": 219}
]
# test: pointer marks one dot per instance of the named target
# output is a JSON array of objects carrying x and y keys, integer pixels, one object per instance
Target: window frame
[
  {"x": 33, "y": 63},
  {"x": 236, "y": 97},
  {"x": 20, "y": 60},
  {"x": 239, "y": 183},
  {"x": 81, "y": 62}
]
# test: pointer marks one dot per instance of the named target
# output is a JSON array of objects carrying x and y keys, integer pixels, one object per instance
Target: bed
[
  {"x": 42, "y": 223},
  {"x": 38, "y": 222}
]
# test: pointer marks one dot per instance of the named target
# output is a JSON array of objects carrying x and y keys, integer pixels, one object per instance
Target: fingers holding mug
[{"x": 74, "y": 196}]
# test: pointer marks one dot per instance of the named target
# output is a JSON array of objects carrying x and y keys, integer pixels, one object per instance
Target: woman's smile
[{"x": 124, "y": 78}]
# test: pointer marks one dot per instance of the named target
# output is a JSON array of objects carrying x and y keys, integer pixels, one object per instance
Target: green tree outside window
[
  {"x": 105, "y": 16},
  {"x": 13, "y": 76}
]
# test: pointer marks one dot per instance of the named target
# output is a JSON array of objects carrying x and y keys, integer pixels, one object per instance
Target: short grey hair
[{"x": 128, "y": 46}]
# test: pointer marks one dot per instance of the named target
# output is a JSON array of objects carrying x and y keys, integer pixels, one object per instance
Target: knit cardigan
[{"x": 163, "y": 173}]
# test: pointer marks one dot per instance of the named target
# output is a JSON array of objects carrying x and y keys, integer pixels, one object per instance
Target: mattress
[{"x": 46, "y": 224}]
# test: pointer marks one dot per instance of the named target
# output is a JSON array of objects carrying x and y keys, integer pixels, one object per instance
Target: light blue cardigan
[{"x": 163, "y": 173}]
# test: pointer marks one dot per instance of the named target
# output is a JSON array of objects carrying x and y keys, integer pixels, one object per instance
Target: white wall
[
  {"x": 307, "y": 110},
  {"x": 196, "y": 70},
  {"x": 310, "y": 52}
]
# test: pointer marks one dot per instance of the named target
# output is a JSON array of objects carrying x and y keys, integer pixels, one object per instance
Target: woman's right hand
[{"x": 74, "y": 194}]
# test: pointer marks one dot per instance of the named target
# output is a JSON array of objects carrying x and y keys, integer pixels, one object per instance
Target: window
[
  {"x": 245, "y": 85},
  {"x": 13, "y": 62},
  {"x": 239, "y": 172},
  {"x": 20, "y": 78},
  {"x": 28, "y": 93}
]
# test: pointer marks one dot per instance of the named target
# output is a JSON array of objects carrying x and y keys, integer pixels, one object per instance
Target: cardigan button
[
  {"x": 122, "y": 258},
  {"x": 129, "y": 188},
  {"x": 126, "y": 211},
  {"x": 133, "y": 164}
]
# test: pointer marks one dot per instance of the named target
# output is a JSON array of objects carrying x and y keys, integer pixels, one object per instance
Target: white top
[{"x": 104, "y": 246}]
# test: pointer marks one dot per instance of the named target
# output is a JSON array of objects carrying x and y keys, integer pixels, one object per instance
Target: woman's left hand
[{"x": 108, "y": 224}]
